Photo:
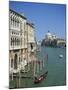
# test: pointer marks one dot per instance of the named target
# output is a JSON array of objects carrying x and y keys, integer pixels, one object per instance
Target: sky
[{"x": 46, "y": 17}]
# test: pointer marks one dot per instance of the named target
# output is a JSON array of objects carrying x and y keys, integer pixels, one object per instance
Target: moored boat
[
  {"x": 39, "y": 79},
  {"x": 60, "y": 56}
]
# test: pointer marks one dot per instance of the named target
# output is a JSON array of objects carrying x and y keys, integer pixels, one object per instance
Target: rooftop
[
  {"x": 18, "y": 13},
  {"x": 31, "y": 24}
]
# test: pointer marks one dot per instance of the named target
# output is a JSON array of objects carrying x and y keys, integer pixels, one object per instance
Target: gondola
[{"x": 39, "y": 79}]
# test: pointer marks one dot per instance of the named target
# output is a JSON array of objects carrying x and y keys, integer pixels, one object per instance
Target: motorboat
[{"x": 60, "y": 56}]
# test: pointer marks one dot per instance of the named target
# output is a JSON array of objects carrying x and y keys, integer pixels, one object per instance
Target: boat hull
[{"x": 38, "y": 80}]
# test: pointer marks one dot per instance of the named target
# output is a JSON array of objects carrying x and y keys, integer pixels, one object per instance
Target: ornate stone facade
[{"x": 21, "y": 41}]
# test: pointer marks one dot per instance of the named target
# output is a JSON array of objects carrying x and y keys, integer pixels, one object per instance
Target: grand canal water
[{"x": 56, "y": 68}]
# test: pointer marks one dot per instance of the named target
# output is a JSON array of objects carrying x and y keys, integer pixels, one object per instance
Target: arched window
[
  {"x": 15, "y": 61},
  {"x": 31, "y": 46},
  {"x": 19, "y": 60},
  {"x": 11, "y": 41},
  {"x": 16, "y": 21},
  {"x": 11, "y": 63},
  {"x": 15, "y": 41},
  {"x": 18, "y": 42},
  {"x": 13, "y": 21}
]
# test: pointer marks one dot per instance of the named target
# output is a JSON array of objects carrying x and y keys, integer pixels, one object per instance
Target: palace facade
[{"x": 21, "y": 41}]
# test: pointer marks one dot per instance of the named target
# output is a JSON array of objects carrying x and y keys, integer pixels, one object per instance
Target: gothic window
[
  {"x": 11, "y": 41},
  {"x": 15, "y": 41},
  {"x": 19, "y": 60},
  {"x": 13, "y": 21},
  {"x": 31, "y": 46},
  {"x": 15, "y": 61},
  {"x": 11, "y": 63},
  {"x": 17, "y": 23}
]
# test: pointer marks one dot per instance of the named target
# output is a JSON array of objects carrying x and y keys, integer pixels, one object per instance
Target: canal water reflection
[{"x": 56, "y": 68}]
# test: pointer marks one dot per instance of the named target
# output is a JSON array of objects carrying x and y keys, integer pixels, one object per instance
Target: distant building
[
  {"x": 52, "y": 40},
  {"x": 50, "y": 36},
  {"x": 54, "y": 37},
  {"x": 61, "y": 42}
]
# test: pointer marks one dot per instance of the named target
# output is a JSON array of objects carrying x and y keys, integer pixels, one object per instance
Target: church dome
[{"x": 48, "y": 35}]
